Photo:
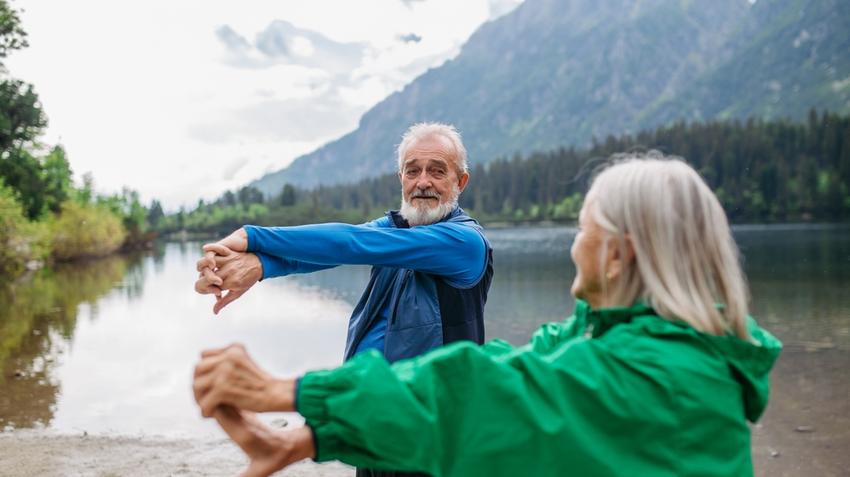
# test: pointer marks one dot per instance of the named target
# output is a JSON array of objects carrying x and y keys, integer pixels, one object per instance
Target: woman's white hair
[
  {"x": 423, "y": 130},
  {"x": 686, "y": 262}
]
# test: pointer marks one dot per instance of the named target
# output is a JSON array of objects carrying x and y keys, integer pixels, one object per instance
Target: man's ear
[{"x": 461, "y": 183}]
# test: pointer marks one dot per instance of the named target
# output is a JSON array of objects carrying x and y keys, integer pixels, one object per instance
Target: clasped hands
[
  {"x": 230, "y": 387},
  {"x": 227, "y": 267}
]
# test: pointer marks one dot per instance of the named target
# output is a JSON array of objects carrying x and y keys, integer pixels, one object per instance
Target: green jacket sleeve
[{"x": 459, "y": 410}]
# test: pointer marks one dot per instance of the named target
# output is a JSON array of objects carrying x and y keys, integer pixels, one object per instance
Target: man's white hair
[
  {"x": 686, "y": 262},
  {"x": 424, "y": 130}
]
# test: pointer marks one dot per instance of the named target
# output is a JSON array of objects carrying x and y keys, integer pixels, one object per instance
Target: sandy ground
[{"x": 40, "y": 453}]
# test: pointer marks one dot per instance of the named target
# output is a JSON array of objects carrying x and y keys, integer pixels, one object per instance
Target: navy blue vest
[{"x": 425, "y": 311}]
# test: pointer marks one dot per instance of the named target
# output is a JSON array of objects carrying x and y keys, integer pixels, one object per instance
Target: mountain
[
  {"x": 789, "y": 56},
  {"x": 562, "y": 72}
]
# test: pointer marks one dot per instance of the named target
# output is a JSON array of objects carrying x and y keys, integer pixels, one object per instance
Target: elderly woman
[{"x": 656, "y": 373}]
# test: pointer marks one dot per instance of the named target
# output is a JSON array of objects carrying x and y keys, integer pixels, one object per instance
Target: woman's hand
[
  {"x": 229, "y": 377},
  {"x": 268, "y": 450}
]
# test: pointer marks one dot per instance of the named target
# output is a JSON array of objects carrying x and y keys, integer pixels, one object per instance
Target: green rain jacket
[{"x": 617, "y": 391}]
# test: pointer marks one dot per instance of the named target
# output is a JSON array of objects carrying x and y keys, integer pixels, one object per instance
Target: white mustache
[{"x": 424, "y": 194}]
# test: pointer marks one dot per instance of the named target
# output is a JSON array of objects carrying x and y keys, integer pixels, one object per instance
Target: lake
[{"x": 108, "y": 347}]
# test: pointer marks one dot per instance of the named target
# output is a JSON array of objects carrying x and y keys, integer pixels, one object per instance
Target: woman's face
[{"x": 585, "y": 252}]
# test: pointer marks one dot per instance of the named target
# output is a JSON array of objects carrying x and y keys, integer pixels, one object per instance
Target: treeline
[
  {"x": 762, "y": 171},
  {"x": 43, "y": 216}
]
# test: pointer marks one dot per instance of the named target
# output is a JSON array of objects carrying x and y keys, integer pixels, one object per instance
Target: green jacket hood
[{"x": 749, "y": 361}]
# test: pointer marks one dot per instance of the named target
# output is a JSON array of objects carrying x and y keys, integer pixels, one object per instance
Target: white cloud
[
  {"x": 183, "y": 100},
  {"x": 299, "y": 119}
]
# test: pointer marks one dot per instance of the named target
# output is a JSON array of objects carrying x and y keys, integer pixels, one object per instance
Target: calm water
[{"x": 109, "y": 346}]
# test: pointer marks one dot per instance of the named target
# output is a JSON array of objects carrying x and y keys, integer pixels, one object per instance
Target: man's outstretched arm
[{"x": 456, "y": 252}]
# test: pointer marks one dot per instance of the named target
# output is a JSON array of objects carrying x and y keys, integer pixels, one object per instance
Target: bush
[
  {"x": 22, "y": 243},
  {"x": 82, "y": 231}
]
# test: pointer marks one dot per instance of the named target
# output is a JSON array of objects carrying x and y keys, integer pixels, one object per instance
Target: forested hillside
[
  {"x": 559, "y": 73},
  {"x": 762, "y": 171}
]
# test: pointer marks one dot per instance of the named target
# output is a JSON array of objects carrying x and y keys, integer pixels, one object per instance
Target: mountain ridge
[{"x": 558, "y": 73}]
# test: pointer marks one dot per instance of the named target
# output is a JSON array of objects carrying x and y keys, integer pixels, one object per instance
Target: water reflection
[
  {"x": 109, "y": 345},
  {"x": 38, "y": 316}
]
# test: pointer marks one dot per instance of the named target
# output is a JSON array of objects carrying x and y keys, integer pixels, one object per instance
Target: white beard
[{"x": 425, "y": 215}]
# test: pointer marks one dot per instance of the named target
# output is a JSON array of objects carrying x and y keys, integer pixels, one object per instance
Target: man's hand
[
  {"x": 224, "y": 269},
  {"x": 237, "y": 241},
  {"x": 229, "y": 377},
  {"x": 268, "y": 450}
]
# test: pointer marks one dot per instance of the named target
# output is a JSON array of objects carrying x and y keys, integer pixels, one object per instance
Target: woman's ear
[{"x": 619, "y": 258}]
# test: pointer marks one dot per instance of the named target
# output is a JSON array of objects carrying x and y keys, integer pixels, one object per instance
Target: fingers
[
  {"x": 208, "y": 282},
  {"x": 256, "y": 439},
  {"x": 209, "y": 401},
  {"x": 214, "y": 387},
  {"x": 237, "y": 241},
  {"x": 216, "y": 249},
  {"x": 224, "y": 300},
  {"x": 200, "y": 388},
  {"x": 210, "y": 362},
  {"x": 208, "y": 353},
  {"x": 207, "y": 264},
  {"x": 259, "y": 468},
  {"x": 207, "y": 261},
  {"x": 204, "y": 286},
  {"x": 232, "y": 423},
  {"x": 211, "y": 277},
  {"x": 201, "y": 380},
  {"x": 214, "y": 375},
  {"x": 235, "y": 349}
]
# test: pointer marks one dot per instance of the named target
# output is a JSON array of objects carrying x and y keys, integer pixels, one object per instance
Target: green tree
[
  {"x": 24, "y": 174},
  {"x": 155, "y": 214},
  {"x": 21, "y": 116},
  {"x": 12, "y": 35},
  {"x": 287, "y": 195},
  {"x": 85, "y": 194},
  {"x": 57, "y": 179},
  {"x": 249, "y": 195}
]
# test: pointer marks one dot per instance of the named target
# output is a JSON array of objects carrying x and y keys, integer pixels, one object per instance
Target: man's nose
[{"x": 423, "y": 181}]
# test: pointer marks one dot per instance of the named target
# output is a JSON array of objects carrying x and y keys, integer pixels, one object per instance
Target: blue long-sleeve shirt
[
  {"x": 456, "y": 252},
  {"x": 453, "y": 251}
]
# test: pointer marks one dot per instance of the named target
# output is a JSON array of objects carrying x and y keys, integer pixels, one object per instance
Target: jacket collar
[
  {"x": 399, "y": 222},
  {"x": 599, "y": 321}
]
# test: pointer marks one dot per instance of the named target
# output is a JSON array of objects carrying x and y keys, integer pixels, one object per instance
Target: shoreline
[
  {"x": 45, "y": 453},
  {"x": 777, "y": 451}
]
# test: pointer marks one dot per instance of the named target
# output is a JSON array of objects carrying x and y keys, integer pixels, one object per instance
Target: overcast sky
[{"x": 184, "y": 99}]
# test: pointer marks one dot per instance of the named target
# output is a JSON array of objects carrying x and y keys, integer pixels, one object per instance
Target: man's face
[{"x": 429, "y": 176}]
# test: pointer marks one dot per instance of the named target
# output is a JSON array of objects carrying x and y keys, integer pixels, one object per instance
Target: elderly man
[{"x": 432, "y": 264}]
